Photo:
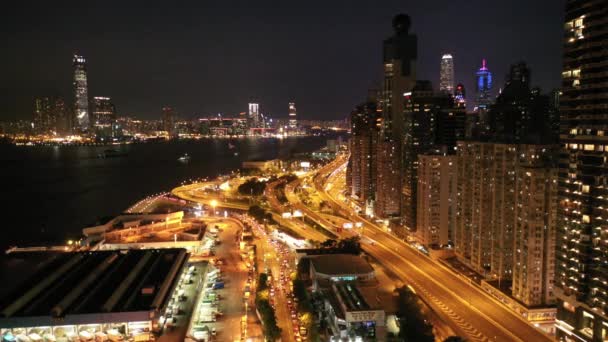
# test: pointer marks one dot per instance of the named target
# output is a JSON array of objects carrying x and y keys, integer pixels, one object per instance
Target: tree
[
  {"x": 329, "y": 243},
  {"x": 412, "y": 325},
  {"x": 252, "y": 187},
  {"x": 351, "y": 245},
  {"x": 454, "y": 339}
]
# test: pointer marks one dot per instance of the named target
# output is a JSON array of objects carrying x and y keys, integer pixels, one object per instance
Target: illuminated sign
[{"x": 365, "y": 316}]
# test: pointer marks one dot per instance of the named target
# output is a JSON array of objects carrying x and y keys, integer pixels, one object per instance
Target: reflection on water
[{"x": 53, "y": 192}]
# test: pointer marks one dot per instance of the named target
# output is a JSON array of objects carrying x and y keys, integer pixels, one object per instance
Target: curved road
[{"x": 479, "y": 316}]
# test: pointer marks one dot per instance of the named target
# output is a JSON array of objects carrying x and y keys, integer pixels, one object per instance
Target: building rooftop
[
  {"x": 340, "y": 264},
  {"x": 101, "y": 282}
]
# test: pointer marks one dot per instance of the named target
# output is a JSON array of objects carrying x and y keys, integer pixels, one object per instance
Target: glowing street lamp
[{"x": 213, "y": 205}]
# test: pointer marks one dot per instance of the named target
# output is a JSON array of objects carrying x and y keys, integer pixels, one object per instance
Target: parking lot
[
  {"x": 179, "y": 310},
  {"x": 220, "y": 313}
]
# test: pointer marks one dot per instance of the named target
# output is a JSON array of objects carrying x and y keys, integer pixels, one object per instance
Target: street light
[{"x": 213, "y": 205}]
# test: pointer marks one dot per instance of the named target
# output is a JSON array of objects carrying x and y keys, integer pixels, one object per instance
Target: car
[{"x": 213, "y": 332}]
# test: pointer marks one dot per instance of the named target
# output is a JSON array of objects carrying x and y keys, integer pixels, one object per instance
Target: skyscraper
[
  {"x": 254, "y": 115},
  {"x": 446, "y": 75},
  {"x": 104, "y": 116},
  {"x": 582, "y": 243},
  {"x": 460, "y": 95},
  {"x": 483, "y": 86},
  {"x": 400, "y": 52},
  {"x": 50, "y": 115},
  {"x": 365, "y": 126},
  {"x": 483, "y": 98},
  {"x": 534, "y": 242},
  {"x": 520, "y": 114},
  {"x": 81, "y": 94},
  {"x": 436, "y": 198},
  {"x": 431, "y": 122},
  {"x": 293, "y": 122},
  {"x": 168, "y": 120}
]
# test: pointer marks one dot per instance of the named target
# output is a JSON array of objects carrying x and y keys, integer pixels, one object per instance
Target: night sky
[{"x": 205, "y": 57}]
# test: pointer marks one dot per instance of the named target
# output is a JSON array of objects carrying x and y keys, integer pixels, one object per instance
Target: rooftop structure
[{"x": 129, "y": 289}]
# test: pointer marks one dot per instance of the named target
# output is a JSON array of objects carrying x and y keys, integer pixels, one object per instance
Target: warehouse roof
[{"x": 340, "y": 264}]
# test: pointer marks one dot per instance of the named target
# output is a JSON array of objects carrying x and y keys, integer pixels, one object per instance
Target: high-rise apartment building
[
  {"x": 293, "y": 122},
  {"x": 430, "y": 122},
  {"x": 446, "y": 74},
  {"x": 365, "y": 128},
  {"x": 484, "y": 229},
  {"x": 388, "y": 179},
  {"x": 81, "y": 94},
  {"x": 535, "y": 227},
  {"x": 436, "y": 209},
  {"x": 582, "y": 244}
]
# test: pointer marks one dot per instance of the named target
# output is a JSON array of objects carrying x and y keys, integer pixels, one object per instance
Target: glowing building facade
[
  {"x": 460, "y": 96},
  {"x": 483, "y": 86},
  {"x": 81, "y": 94},
  {"x": 293, "y": 122},
  {"x": 254, "y": 115},
  {"x": 446, "y": 75},
  {"x": 582, "y": 240}
]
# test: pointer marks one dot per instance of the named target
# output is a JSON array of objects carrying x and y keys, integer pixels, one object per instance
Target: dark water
[{"x": 51, "y": 193}]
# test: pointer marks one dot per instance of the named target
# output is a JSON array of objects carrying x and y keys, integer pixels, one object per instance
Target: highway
[{"x": 475, "y": 315}]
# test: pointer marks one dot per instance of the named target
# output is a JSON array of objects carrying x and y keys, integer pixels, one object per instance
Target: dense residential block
[{"x": 582, "y": 271}]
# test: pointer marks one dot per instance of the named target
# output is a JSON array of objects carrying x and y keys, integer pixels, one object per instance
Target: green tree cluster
[
  {"x": 351, "y": 245},
  {"x": 267, "y": 314},
  {"x": 412, "y": 325},
  {"x": 252, "y": 187}
]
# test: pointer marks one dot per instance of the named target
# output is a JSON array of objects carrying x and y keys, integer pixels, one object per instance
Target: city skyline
[{"x": 122, "y": 58}]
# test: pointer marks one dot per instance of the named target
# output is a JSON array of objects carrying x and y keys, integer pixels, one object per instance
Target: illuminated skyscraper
[
  {"x": 582, "y": 243},
  {"x": 104, "y": 116},
  {"x": 400, "y": 52},
  {"x": 293, "y": 123},
  {"x": 254, "y": 115},
  {"x": 460, "y": 96},
  {"x": 446, "y": 75},
  {"x": 50, "y": 114},
  {"x": 81, "y": 94},
  {"x": 104, "y": 112},
  {"x": 168, "y": 120},
  {"x": 365, "y": 125},
  {"x": 484, "y": 86}
]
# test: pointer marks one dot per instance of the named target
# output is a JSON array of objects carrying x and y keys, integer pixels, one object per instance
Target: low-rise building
[
  {"x": 352, "y": 299},
  {"x": 82, "y": 296}
]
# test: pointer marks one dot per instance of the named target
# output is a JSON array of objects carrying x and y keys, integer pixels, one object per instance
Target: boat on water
[
  {"x": 184, "y": 158},
  {"x": 111, "y": 154}
]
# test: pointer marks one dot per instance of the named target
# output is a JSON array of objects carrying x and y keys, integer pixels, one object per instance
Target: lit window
[
  {"x": 589, "y": 147},
  {"x": 585, "y": 189},
  {"x": 586, "y": 219}
]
